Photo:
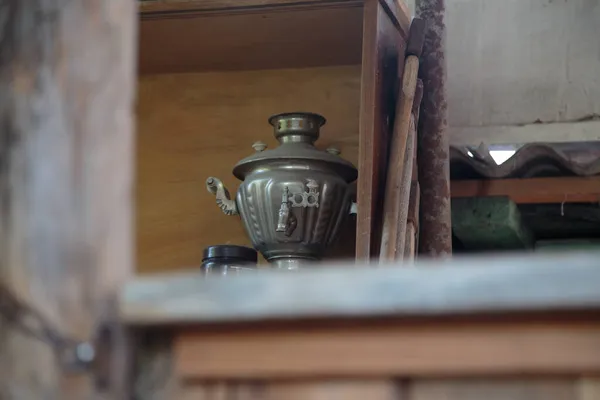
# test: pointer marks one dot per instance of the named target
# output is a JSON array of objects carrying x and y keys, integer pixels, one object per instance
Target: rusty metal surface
[
  {"x": 433, "y": 149},
  {"x": 529, "y": 161}
]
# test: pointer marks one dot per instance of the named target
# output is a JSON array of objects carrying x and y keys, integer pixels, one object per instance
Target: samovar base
[{"x": 290, "y": 263}]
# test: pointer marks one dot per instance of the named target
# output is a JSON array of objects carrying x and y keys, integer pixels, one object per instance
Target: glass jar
[{"x": 228, "y": 260}]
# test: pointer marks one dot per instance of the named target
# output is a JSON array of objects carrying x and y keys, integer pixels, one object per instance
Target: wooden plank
[
  {"x": 397, "y": 9},
  {"x": 356, "y": 389},
  {"x": 412, "y": 225},
  {"x": 383, "y": 51},
  {"x": 192, "y": 126},
  {"x": 328, "y": 389},
  {"x": 400, "y": 153},
  {"x": 497, "y": 389},
  {"x": 371, "y": 348},
  {"x": 232, "y": 6},
  {"x": 272, "y": 38},
  {"x": 489, "y": 285},
  {"x": 533, "y": 190},
  {"x": 556, "y": 132},
  {"x": 405, "y": 193},
  {"x": 66, "y": 170}
]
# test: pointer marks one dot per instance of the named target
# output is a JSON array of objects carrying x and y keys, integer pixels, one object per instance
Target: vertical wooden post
[
  {"x": 434, "y": 154},
  {"x": 67, "y": 73},
  {"x": 384, "y": 42}
]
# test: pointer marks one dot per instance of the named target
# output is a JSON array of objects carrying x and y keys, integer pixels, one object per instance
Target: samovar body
[{"x": 293, "y": 199}]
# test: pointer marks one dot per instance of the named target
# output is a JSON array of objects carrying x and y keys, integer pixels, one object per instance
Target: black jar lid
[{"x": 230, "y": 251}]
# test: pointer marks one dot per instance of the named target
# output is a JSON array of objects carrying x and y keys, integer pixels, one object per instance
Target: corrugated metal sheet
[{"x": 531, "y": 160}]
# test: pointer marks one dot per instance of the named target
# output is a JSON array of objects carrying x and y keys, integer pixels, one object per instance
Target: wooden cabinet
[
  {"x": 507, "y": 328},
  {"x": 212, "y": 72},
  {"x": 73, "y": 318}
]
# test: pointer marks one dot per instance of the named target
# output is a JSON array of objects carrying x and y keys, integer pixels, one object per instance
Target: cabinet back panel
[{"x": 191, "y": 126}]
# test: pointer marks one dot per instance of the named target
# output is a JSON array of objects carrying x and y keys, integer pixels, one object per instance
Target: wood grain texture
[
  {"x": 382, "y": 55},
  {"x": 370, "y": 348},
  {"x": 272, "y": 38},
  {"x": 394, "y": 208},
  {"x": 533, "y": 190},
  {"x": 505, "y": 389},
  {"x": 405, "y": 192},
  {"x": 192, "y": 126},
  {"x": 67, "y": 81},
  {"x": 463, "y": 286},
  {"x": 232, "y": 6},
  {"x": 412, "y": 224}
]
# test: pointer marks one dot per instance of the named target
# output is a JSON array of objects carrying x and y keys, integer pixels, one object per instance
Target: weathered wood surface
[
  {"x": 383, "y": 45},
  {"x": 460, "y": 286},
  {"x": 435, "y": 236},
  {"x": 66, "y": 93},
  {"x": 394, "y": 208}
]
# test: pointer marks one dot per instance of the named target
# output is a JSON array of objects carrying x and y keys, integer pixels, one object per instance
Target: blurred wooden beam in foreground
[{"x": 67, "y": 79}]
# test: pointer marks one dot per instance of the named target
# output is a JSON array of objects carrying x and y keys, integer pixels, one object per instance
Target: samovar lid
[{"x": 296, "y": 133}]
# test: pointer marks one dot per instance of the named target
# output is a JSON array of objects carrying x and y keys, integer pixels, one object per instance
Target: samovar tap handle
[
  {"x": 287, "y": 222},
  {"x": 216, "y": 187}
]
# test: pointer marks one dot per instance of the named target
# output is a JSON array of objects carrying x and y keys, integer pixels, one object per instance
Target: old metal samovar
[{"x": 294, "y": 198}]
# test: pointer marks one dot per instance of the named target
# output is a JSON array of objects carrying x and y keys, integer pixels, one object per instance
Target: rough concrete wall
[{"x": 520, "y": 62}]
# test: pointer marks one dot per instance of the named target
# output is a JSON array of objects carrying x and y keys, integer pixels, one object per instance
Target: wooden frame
[
  {"x": 384, "y": 41},
  {"x": 382, "y": 334},
  {"x": 284, "y": 34},
  {"x": 67, "y": 90},
  {"x": 392, "y": 348}
]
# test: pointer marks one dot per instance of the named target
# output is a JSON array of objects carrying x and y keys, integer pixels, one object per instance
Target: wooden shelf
[
  {"x": 534, "y": 190},
  {"x": 200, "y": 39},
  {"x": 431, "y": 288}
]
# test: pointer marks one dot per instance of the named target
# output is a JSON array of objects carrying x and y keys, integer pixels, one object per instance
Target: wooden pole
[
  {"x": 394, "y": 208},
  {"x": 435, "y": 238},
  {"x": 67, "y": 73},
  {"x": 404, "y": 197}
]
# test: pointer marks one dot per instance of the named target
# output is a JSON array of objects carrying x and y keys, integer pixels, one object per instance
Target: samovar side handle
[{"x": 216, "y": 187}]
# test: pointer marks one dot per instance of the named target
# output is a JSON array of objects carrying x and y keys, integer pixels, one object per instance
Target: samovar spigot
[{"x": 287, "y": 221}]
